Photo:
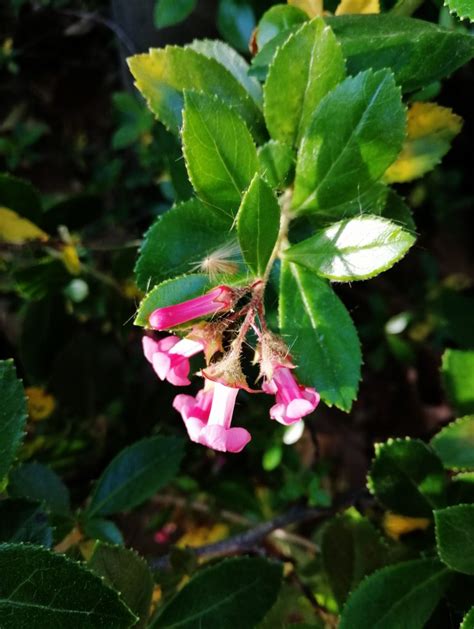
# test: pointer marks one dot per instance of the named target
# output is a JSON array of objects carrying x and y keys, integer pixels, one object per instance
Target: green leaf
[
  {"x": 135, "y": 474},
  {"x": 454, "y": 444},
  {"x": 234, "y": 593},
  {"x": 417, "y": 51},
  {"x": 275, "y": 160},
  {"x": 236, "y": 21},
  {"x": 468, "y": 620},
  {"x": 13, "y": 414},
  {"x": 407, "y": 477},
  {"x": 221, "y": 157},
  {"x": 179, "y": 240},
  {"x": 233, "y": 62},
  {"x": 24, "y": 521},
  {"x": 45, "y": 589},
  {"x": 311, "y": 315},
  {"x": 458, "y": 377},
  {"x": 351, "y": 548},
  {"x": 264, "y": 57},
  {"x": 276, "y": 20},
  {"x": 128, "y": 573},
  {"x": 38, "y": 482},
  {"x": 397, "y": 211},
  {"x": 455, "y": 537},
  {"x": 21, "y": 197},
  {"x": 258, "y": 224},
  {"x": 171, "y": 292},
  {"x": 404, "y": 595},
  {"x": 102, "y": 530},
  {"x": 308, "y": 66},
  {"x": 170, "y": 12},
  {"x": 162, "y": 74},
  {"x": 464, "y": 9},
  {"x": 356, "y": 133},
  {"x": 356, "y": 249}
]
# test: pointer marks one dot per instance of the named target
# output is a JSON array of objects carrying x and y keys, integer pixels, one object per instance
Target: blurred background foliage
[{"x": 89, "y": 165}]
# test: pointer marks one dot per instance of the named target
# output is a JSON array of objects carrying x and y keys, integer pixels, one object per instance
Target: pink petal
[
  {"x": 297, "y": 409},
  {"x": 194, "y": 427},
  {"x": 178, "y": 374},
  {"x": 166, "y": 344},
  {"x": 237, "y": 439},
  {"x": 150, "y": 346},
  {"x": 161, "y": 364}
]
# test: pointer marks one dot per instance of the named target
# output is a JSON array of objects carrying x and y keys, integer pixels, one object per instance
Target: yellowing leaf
[
  {"x": 70, "y": 259},
  {"x": 347, "y": 7},
  {"x": 431, "y": 128},
  {"x": 397, "y": 525},
  {"x": 16, "y": 230},
  {"x": 202, "y": 535},
  {"x": 40, "y": 404},
  {"x": 311, "y": 7}
]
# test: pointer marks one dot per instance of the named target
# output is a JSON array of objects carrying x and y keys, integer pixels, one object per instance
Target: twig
[{"x": 110, "y": 24}]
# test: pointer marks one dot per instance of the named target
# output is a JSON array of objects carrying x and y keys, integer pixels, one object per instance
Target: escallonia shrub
[{"x": 291, "y": 161}]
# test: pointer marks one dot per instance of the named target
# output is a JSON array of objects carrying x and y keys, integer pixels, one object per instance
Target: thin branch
[{"x": 110, "y": 24}]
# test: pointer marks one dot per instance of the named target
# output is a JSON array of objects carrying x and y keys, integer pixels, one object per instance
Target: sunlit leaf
[
  {"x": 347, "y": 7},
  {"x": 16, "y": 230}
]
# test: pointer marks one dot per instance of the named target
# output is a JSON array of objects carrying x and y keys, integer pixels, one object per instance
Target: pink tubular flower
[
  {"x": 208, "y": 418},
  {"x": 170, "y": 357},
  {"x": 293, "y": 401},
  {"x": 216, "y": 300}
]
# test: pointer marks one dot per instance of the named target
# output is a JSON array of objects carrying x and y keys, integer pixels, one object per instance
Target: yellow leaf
[
  {"x": 347, "y": 7},
  {"x": 397, "y": 525},
  {"x": 311, "y": 7},
  {"x": 201, "y": 535},
  {"x": 70, "y": 259},
  {"x": 16, "y": 230},
  {"x": 431, "y": 128},
  {"x": 40, "y": 404}
]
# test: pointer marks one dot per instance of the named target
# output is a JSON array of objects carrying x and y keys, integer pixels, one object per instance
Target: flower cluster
[{"x": 208, "y": 415}]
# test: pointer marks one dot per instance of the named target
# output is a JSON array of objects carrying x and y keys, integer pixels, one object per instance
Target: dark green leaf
[
  {"x": 135, "y": 475},
  {"x": 128, "y": 573},
  {"x": 170, "y": 12},
  {"x": 454, "y": 444},
  {"x": 276, "y": 20},
  {"x": 45, "y": 589},
  {"x": 355, "y": 249},
  {"x": 276, "y": 160},
  {"x": 404, "y": 595},
  {"x": 417, "y": 51},
  {"x": 236, "y": 21},
  {"x": 13, "y": 414},
  {"x": 407, "y": 477},
  {"x": 221, "y": 157},
  {"x": 312, "y": 316},
  {"x": 24, "y": 521},
  {"x": 233, "y": 593},
  {"x": 171, "y": 292},
  {"x": 258, "y": 223},
  {"x": 180, "y": 240},
  {"x": 38, "y": 482},
  {"x": 455, "y": 537},
  {"x": 356, "y": 133},
  {"x": 458, "y": 377},
  {"x": 20, "y": 196},
  {"x": 397, "y": 211},
  {"x": 162, "y": 74},
  {"x": 304, "y": 70},
  {"x": 102, "y": 530}
]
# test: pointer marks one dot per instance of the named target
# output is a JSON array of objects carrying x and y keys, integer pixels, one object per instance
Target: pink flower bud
[
  {"x": 218, "y": 299},
  {"x": 293, "y": 400},
  {"x": 208, "y": 418},
  {"x": 170, "y": 357}
]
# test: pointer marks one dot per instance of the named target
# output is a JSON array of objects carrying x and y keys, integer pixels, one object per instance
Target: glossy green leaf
[
  {"x": 356, "y": 133},
  {"x": 233, "y": 593},
  {"x": 128, "y": 573},
  {"x": 102, "y": 530},
  {"x": 454, "y": 537},
  {"x": 135, "y": 474},
  {"x": 312, "y": 316},
  {"x": 258, "y": 223},
  {"x": 468, "y": 620},
  {"x": 454, "y": 444},
  {"x": 308, "y": 66},
  {"x": 356, "y": 249},
  {"x": 180, "y": 240},
  {"x": 13, "y": 414},
  {"x": 162, "y": 74},
  {"x": 457, "y": 371},
  {"x": 233, "y": 62},
  {"x": 24, "y": 521},
  {"x": 464, "y": 9},
  {"x": 404, "y": 595},
  {"x": 417, "y": 51},
  {"x": 221, "y": 157},
  {"x": 351, "y": 548},
  {"x": 264, "y": 57},
  {"x": 407, "y": 477},
  {"x": 236, "y": 21},
  {"x": 276, "y": 20},
  {"x": 38, "y": 482},
  {"x": 170, "y": 12},
  {"x": 171, "y": 292},
  {"x": 45, "y": 589},
  {"x": 275, "y": 163}
]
